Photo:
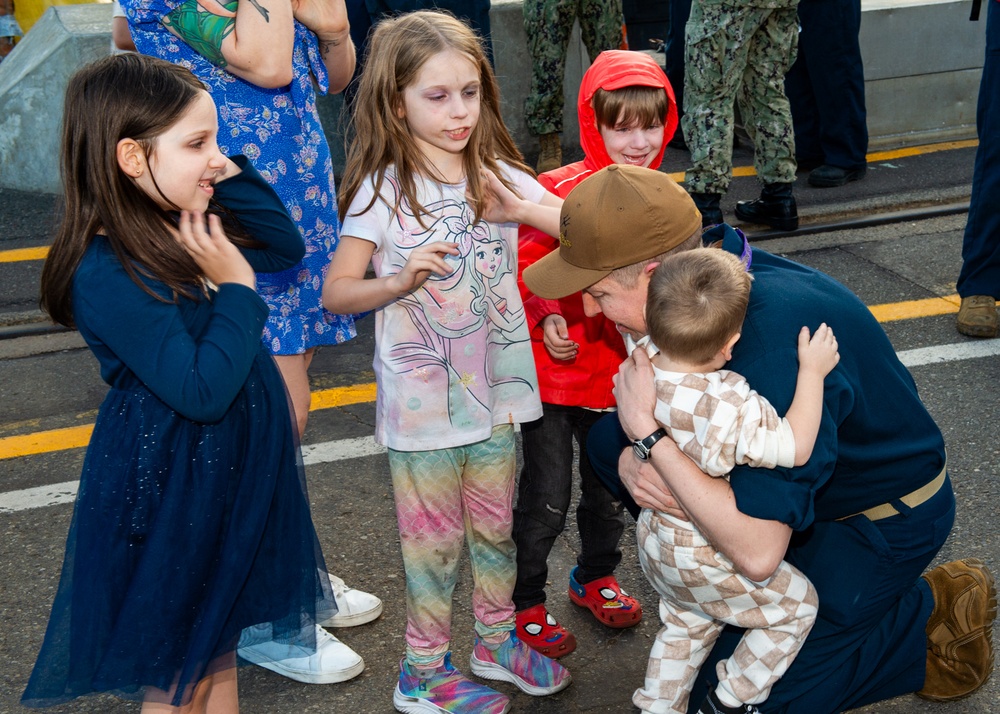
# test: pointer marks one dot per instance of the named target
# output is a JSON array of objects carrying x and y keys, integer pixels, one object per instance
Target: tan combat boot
[
  {"x": 960, "y": 630},
  {"x": 977, "y": 317},
  {"x": 549, "y": 153}
]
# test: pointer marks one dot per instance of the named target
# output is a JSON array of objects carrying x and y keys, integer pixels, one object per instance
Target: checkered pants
[
  {"x": 444, "y": 497},
  {"x": 700, "y": 592}
]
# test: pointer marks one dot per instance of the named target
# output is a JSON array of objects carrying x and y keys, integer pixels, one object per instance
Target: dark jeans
[
  {"x": 543, "y": 499},
  {"x": 869, "y": 642}
]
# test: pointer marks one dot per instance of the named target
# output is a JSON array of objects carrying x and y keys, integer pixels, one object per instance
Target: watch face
[{"x": 640, "y": 450}]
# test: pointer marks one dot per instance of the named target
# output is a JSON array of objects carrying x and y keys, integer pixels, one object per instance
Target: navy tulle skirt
[{"x": 183, "y": 534}]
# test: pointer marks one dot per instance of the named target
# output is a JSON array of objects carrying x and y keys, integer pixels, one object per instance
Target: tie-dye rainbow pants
[{"x": 442, "y": 497}]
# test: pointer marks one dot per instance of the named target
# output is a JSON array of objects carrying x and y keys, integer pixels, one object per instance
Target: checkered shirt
[{"x": 719, "y": 421}]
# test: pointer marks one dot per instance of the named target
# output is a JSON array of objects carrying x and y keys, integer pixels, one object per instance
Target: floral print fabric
[{"x": 280, "y": 132}]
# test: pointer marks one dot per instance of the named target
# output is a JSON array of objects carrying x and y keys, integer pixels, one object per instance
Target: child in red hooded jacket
[{"x": 627, "y": 115}]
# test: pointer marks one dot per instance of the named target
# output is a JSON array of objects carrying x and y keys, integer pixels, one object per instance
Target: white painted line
[
  {"x": 950, "y": 353},
  {"x": 52, "y": 495},
  {"x": 341, "y": 449},
  {"x": 59, "y": 493}
]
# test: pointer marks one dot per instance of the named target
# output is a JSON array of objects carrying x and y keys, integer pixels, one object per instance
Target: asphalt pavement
[{"x": 49, "y": 382}]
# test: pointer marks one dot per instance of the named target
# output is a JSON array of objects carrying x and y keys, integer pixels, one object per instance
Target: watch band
[{"x": 642, "y": 447}]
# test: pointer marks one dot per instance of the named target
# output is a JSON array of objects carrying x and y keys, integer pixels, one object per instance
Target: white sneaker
[
  {"x": 333, "y": 661},
  {"x": 354, "y": 607}
]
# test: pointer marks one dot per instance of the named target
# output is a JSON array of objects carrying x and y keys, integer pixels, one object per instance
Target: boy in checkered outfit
[{"x": 694, "y": 313}]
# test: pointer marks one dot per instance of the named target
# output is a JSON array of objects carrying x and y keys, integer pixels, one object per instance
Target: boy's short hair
[
  {"x": 696, "y": 302},
  {"x": 643, "y": 106}
]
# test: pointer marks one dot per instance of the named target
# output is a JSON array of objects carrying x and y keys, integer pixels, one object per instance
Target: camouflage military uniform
[
  {"x": 548, "y": 24},
  {"x": 739, "y": 51}
]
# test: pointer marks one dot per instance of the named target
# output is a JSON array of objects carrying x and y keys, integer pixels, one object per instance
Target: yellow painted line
[
  {"x": 342, "y": 396},
  {"x": 910, "y": 309},
  {"x": 19, "y": 254},
  {"x": 76, "y": 437},
  {"x": 920, "y": 150},
  {"x": 43, "y": 442},
  {"x": 737, "y": 171},
  {"x": 873, "y": 157}
]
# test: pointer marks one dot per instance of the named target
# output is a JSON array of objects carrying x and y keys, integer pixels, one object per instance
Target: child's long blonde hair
[{"x": 398, "y": 49}]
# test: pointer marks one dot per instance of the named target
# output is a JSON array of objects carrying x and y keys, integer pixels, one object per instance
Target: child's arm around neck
[
  {"x": 817, "y": 358},
  {"x": 278, "y": 244}
]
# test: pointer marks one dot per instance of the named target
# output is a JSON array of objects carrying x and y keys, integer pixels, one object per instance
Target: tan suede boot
[
  {"x": 977, "y": 317},
  {"x": 960, "y": 630},
  {"x": 549, "y": 153}
]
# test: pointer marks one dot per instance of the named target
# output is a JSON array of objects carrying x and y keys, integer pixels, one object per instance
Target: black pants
[{"x": 544, "y": 494}]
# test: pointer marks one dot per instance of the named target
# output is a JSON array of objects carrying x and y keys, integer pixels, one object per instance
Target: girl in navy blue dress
[{"x": 191, "y": 520}]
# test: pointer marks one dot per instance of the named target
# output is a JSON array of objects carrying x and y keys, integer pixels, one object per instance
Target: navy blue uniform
[
  {"x": 673, "y": 48},
  {"x": 826, "y": 85},
  {"x": 981, "y": 248},
  {"x": 876, "y": 443}
]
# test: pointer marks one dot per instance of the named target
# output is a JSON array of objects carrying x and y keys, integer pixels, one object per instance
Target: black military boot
[
  {"x": 775, "y": 208},
  {"x": 708, "y": 206}
]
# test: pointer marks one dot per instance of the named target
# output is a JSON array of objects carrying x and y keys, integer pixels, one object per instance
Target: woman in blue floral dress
[
  {"x": 262, "y": 64},
  {"x": 262, "y": 61}
]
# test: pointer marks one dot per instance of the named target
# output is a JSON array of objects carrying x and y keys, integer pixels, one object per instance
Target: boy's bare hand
[
  {"x": 423, "y": 261},
  {"x": 555, "y": 337},
  {"x": 211, "y": 249},
  {"x": 818, "y": 354}
]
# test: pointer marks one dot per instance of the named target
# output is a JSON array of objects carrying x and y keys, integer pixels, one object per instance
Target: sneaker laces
[
  {"x": 324, "y": 638},
  {"x": 338, "y": 585}
]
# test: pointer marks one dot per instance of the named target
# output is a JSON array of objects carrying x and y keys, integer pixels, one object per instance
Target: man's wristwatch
[{"x": 642, "y": 447}]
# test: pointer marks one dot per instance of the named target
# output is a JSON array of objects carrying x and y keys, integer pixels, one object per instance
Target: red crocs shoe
[
  {"x": 604, "y": 598},
  {"x": 540, "y": 631}
]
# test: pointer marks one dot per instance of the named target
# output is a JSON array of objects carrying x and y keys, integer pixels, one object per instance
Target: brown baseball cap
[{"x": 619, "y": 216}]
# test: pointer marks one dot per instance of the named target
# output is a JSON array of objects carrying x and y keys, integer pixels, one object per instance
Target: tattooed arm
[
  {"x": 328, "y": 19},
  {"x": 250, "y": 38}
]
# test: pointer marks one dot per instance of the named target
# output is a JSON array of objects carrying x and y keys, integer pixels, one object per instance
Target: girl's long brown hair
[
  {"x": 121, "y": 96},
  {"x": 399, "y": 48}
]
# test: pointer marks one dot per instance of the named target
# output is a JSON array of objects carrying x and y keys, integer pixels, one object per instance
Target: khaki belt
[{"x": 913, "y": 499}]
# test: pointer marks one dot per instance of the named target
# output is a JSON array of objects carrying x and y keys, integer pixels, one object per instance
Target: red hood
[{"x": 614, "y": 69}]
